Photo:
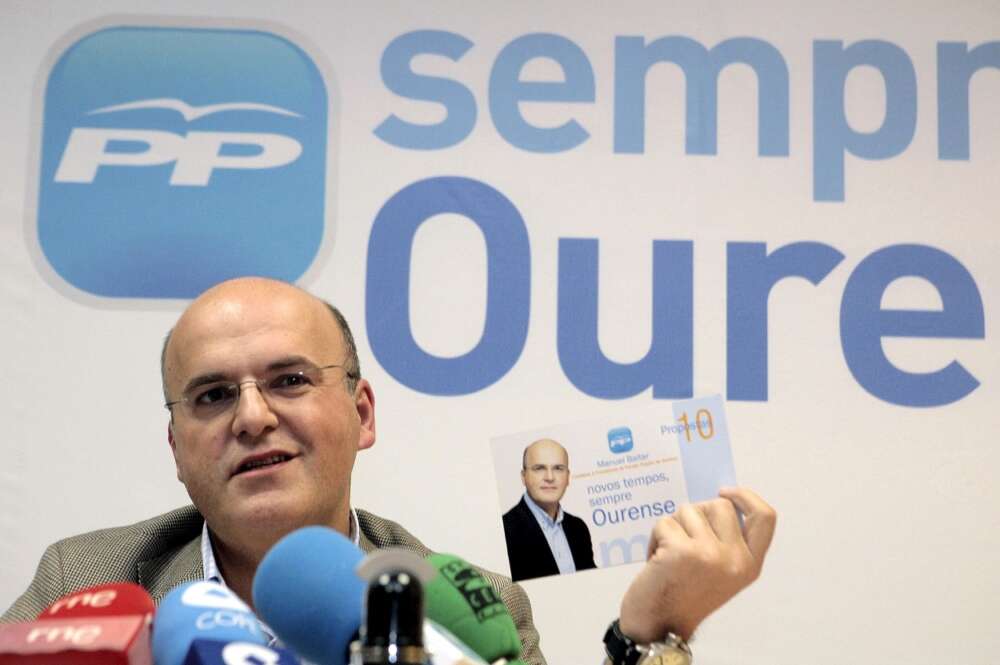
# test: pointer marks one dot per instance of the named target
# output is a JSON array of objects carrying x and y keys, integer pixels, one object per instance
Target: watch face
[{"x": 668, "y": 656}]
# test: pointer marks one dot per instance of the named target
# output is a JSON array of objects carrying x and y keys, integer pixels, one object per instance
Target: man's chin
[
  {"x": 266, "y": 516},
  {"x": 274, "y": 510}
]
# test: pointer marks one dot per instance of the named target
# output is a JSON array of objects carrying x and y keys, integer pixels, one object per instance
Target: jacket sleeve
[
  {"x": 516, "y": 600},
  {"x": 45, "y": 589}
]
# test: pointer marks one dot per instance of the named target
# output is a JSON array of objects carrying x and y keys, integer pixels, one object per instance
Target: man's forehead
[
  {"x": 547, "y": 449},
  {"x": 283, "y": 318}
]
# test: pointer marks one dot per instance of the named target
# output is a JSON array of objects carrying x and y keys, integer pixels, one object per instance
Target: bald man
[
  {"x": 268, "y": 410},
  {"x": 542, "y": 538}
]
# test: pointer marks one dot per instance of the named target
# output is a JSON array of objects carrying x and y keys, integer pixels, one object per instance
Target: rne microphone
[
  {"x": 111, "y": 600},
  {"x": 100, "y": 625}
]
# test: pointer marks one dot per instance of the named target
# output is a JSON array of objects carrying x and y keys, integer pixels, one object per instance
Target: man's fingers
[
  {"x": 699, "y": 559},
  {"x": 667, "y": 530},
  {"x": 694, "y": 522},
  {"x": 759, "y": 518},
  {"x": 721, "y": 515}
]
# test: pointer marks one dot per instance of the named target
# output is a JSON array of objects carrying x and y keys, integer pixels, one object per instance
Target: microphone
[
  {"x": 463, "y": 601},
  {"x": 393, "y": 630},
  {"x": 110, "y": 600},
  {"x": 219, "y": 652},
  {"x": 307, "y": 591},
  {"x": 100, "y": 625},
  {"x": 196, "y": 617}
]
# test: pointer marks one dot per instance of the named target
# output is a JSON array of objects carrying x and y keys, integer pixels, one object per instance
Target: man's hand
[{"x": 698, "y": 559}]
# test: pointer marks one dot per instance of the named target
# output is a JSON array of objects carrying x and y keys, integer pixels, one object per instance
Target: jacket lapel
[
  {"x": 366, "y": 544},
  {"x": 161, "y": 574}
]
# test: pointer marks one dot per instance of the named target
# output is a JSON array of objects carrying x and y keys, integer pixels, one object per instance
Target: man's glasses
[{"x": 209, "y": 400}]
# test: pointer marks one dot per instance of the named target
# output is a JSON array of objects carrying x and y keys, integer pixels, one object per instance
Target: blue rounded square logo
[
  {"x": 620, "y": 440},
  {"x": 175, "y": 158}
]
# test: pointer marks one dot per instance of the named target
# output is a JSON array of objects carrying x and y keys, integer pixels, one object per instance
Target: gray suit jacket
[{"x": 165, "y": 551}]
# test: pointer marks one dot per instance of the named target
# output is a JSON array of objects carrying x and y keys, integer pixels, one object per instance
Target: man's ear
[
  {"x": 364, "y": 401},
  {"x": 173, "y": 448}
]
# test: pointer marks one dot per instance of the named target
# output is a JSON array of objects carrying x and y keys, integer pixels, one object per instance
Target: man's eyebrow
[
  {"x": 204, "y": 379},
  {"x": 290, "y": 361}
]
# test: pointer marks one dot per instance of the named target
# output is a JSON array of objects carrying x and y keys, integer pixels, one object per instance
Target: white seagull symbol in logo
[{"x": 193, "y": 112}]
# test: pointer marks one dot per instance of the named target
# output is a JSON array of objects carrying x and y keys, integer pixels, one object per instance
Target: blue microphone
[
  {"x": 201, "y": 611},
  {"x": 307, "y": 590},
  {"x": 216, "y": 652}
]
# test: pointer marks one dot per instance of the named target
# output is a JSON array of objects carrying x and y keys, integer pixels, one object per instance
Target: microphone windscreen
[
  {"x": 103, "y": 640},
  {"x": 464, "y": 602},
  {"x": 306, "y": 589},
  {"x": 104, "y": 600},
  {"x": 215, "y": 652},
  {"x": 106, "y": 624},
  {"x": 201, "y": 610}
]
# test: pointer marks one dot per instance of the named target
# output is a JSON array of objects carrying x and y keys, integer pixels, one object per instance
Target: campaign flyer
[{"x": 585, "y": 495}]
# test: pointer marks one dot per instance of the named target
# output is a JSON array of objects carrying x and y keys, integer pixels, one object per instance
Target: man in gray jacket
[{"x": 268, "y": 412}]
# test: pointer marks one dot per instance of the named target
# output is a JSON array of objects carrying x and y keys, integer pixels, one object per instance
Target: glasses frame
[{"x": 261, "y": 384}]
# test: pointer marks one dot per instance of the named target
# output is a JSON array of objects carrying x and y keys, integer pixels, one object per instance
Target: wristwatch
[{"x": 621, "y": 650}]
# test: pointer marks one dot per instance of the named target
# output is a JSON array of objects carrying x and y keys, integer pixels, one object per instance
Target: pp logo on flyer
[
  {"x": 620, "y": 440},
  {"x": 175, "y": 158}
]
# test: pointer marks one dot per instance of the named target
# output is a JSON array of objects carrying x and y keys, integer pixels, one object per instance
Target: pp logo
[
  {"x": 620, "y": 440},
  {"x": 175, "y": 158}
]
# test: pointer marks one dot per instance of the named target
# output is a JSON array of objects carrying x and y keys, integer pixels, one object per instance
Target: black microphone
[{"x": 393, "y": 625}]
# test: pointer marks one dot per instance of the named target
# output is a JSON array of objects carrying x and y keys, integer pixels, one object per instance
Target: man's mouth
[{"x": 262, "y": 462}]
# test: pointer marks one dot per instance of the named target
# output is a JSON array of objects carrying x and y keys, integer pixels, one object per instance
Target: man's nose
[{"x": 253, "y": 414}]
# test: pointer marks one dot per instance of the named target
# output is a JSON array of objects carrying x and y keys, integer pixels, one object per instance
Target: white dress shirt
[{"x": 554, "y": 534}]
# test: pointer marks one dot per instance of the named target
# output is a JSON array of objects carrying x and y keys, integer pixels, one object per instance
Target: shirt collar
[
  {"x": 540, "y": 513},
  {"x": 210, "y": 568}
]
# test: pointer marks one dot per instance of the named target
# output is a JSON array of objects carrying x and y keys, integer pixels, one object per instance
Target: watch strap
[{"x": 622, "y": 650}]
